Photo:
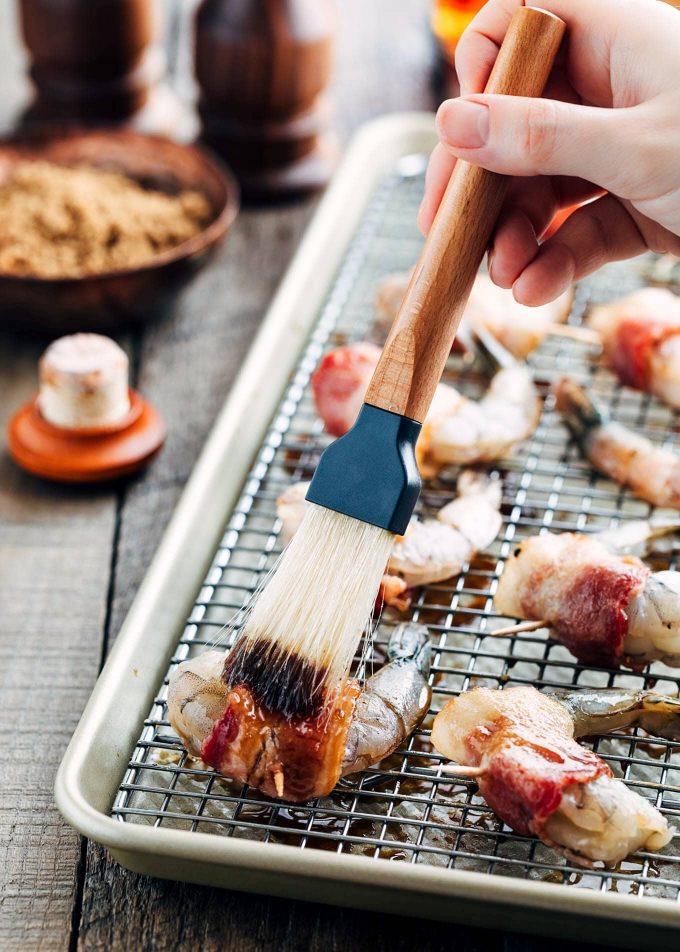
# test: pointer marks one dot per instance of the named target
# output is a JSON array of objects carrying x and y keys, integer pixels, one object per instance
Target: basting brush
[{"x": 303, "y": 628}]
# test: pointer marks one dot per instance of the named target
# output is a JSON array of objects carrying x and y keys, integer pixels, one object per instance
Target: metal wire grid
[{"x": 405, "y": 810}]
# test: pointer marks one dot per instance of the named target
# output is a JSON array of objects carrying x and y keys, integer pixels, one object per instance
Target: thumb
[{"x": 521, "y": 136}]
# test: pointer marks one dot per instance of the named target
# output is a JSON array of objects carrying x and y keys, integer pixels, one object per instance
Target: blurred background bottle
[{"x": 449, "y": 19}]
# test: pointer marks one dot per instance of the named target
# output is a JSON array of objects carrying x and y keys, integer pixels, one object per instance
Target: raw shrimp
[
  {"x": 519, "y": 744},
  {"x": 519, "y": 328},
  {"x": 641, "y": 341},
  {"x": 482, "y": 431},
  {"x": 393, "y": 702},
  {"x": 605, "y": 606},
  {"x": 653, "y": 473},
  {"x": 227, "y": 728},
  {"x": 457, "y": 430},
  {"x": 431, "y": 550}
]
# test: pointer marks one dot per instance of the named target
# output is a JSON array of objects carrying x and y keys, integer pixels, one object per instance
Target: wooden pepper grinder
[
  {"x": 262, "y": 67},
  {"x": 95, "y": 61}
]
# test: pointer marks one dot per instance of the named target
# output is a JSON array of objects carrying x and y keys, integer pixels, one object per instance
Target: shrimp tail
[
  {"x": 638, "y": 536},
  {"x": 602, "y": 710},
  {"x": 410, "y": 644},
  {"x": 660, "y": 715},
  {"x": 496, "y": 356},
  {"x": 581, "y": 414}
]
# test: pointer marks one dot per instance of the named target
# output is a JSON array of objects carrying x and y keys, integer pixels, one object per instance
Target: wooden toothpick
[
  {"x": 460, "y": 770},
  {"x": 519, "y": 627}
]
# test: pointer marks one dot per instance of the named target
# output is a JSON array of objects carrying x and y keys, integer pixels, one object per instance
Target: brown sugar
[{"x": 60, "y": 222}]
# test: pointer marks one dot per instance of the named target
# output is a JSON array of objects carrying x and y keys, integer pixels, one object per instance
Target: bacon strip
[
  {"x": 629, "y": 348},
  {"x": 292, "y": 758},
  {"x": 340, "y": 382},
  {"x": 590, "y": 618},
  {"x": 579, "y": 588},
  {"x": 526, "y": 774}
]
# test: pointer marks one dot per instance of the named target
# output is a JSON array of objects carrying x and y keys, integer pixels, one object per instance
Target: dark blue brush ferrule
[{"x": 371, "y": 473}]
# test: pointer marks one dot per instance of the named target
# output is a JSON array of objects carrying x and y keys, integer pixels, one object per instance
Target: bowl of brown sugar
[{"x": 101, "y": 229}]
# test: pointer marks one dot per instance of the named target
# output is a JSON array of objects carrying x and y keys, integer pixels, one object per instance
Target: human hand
[{"x": 608, "y": 130}]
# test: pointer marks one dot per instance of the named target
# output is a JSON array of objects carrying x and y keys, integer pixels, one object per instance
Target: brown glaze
[
  {"x": 91, "y": 60},
  {"x": 287, "y": 684},
  {"x": 106, "y": 301},
  {"x": 290, "y": 758},
  {"x": 263, "y": 66},
  {"x": 422, "y": 334},
  {"x": 87, "y": 455}
]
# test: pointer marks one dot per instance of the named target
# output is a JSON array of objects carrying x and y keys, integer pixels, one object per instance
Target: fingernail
[{"x": 463, "y": 123}]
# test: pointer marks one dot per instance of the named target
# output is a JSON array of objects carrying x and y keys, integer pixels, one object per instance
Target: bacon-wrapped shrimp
[
  {"x": 340, "y": 382},
  {"x": 457, "y": 430},
  {"x": 297, "y": 758},
  {"x": 520, "y": 329},
  {"x": 431, "y": 550},
  {"x": 520, "y": 746},
  {"x": 641, "y": 341},
  {"x": 652, "y": 472},
  {"x": 605, "y": 607}
]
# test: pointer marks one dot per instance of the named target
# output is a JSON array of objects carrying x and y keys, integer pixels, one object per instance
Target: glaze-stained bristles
[{"x": 304, "y": 627}]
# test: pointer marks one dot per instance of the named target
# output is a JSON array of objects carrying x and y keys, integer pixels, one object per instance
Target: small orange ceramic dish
[
  {"x": 85, "y": 424},
  {"x": 85, "y": 456}
]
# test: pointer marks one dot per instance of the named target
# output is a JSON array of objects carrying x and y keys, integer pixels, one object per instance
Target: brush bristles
[{"x": 312, "y": 612}]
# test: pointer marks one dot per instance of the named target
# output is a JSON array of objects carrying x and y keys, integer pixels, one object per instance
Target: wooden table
[{"x": 72, "y": 559}]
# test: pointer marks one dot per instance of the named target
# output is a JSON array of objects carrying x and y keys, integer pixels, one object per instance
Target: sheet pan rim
[{"x": 383, "y": 141}]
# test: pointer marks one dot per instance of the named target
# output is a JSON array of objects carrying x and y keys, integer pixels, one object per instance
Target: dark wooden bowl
[{"x": 110, "y": 300}]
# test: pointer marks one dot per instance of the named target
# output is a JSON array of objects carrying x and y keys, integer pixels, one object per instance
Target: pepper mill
[
  {"x": 95, "y": 61},
  {"x": 262, "y": 67}
]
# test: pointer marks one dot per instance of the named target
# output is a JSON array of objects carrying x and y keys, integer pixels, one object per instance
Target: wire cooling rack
[{"x": 405, "y": 810}]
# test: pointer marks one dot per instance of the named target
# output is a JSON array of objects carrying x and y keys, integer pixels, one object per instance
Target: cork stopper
[{"x": 84, "y": 382}]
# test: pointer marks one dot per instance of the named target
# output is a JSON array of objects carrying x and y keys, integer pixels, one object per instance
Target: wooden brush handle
[{"x": 420, "y": 340}]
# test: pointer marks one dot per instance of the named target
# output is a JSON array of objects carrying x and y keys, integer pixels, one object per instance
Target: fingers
[
  {"x": 523, "y": 136},
  {"x": 529, "y": 210},
  {"x": 593, "y": 30},
  {"x": 541, "y": 198},
  {"x": 515, "y": 246},
  {"x": 595, "y": 234},
  {"x": 478, "y": 47},
  {"x": 439, "y": 170}
]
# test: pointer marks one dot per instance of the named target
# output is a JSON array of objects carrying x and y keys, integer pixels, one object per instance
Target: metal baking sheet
[{"x": 401, "y": 837}]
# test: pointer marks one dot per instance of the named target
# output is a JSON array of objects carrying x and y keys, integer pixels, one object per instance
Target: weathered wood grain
[
  {"x": 54, "y": 575},
  {"x": 55, "y": 553},
  {"x": 173, "y": 917}
]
